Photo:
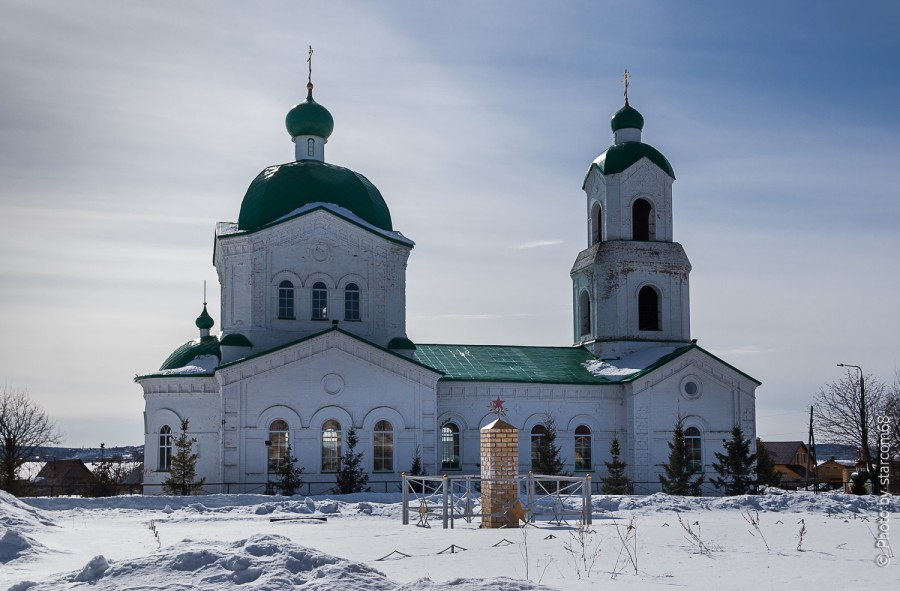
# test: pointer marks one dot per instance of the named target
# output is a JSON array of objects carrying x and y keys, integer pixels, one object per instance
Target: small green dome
[
  {"x": 191, "y": 350},
  {"x": 278, "y": 190},
  {"x": 235, "y": 339},
  {"x": 309, "y": 118},
  {"x": 204, "y": 320},
  {"x": 401, "y": 344},
  {"x": 627, "y": 117}
]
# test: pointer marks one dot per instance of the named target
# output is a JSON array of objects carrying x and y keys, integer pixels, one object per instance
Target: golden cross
[
  {"x": 625, "y": 80},
  {"x": 309, "y": 61}
]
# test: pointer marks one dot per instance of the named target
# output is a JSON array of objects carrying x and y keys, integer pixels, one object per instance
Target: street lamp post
[{"x": 864, "y": 425}]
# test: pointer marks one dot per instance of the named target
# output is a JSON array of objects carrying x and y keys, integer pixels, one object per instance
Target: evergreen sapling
[
  {"x": 289, "y": 473},
  {"x": 183, "y": 466},
  {"x": 617, "y": 483},
  {"x": 735, "y": 466},
  {"x": 351, "y": 478},
  {"x": 681, "y": 476}
]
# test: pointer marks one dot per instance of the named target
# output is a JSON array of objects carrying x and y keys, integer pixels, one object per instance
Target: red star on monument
[{"x": 497, "y": 406}]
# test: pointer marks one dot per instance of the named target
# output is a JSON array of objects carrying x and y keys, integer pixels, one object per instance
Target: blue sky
[{"x": 129, "y": 129}]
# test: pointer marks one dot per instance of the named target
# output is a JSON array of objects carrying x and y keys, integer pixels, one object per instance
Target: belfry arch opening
[
  {"x": 596, "y": 224},
  {"x": 648, "y": 309},
  {"x": 584, "y": 314},
  {"x": 643, "y": 226}
]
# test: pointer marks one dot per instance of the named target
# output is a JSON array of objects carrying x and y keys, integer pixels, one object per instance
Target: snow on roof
[
  {"x": 225, "y": 228},
  {"x": 619, "y": 369},
  {"x": 204, "y": 364}
]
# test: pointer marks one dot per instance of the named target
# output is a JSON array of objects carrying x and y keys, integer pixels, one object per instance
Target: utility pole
[{"x": 812, "y": 453}]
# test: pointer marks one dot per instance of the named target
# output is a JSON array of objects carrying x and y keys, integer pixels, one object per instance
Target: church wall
[
  {"x": 723, "y": 398},
  {"x": 316, "y": 247},
  {"x": 335, "y": 378},
  {"x": 467, "y": 405},
  {"x": 168, "y": 401}
]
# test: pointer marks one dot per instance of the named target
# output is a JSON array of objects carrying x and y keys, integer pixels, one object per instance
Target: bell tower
[{"x": 630, "y": 285}]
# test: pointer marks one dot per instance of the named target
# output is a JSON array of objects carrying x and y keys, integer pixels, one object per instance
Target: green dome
[
  {"x": 191, "y": 350},
  {"x": 278, "y": 190},
  {"x": 627, "y": 117},
  {"x": 620, "y": 156},
  {"x": 401, "y": 344},
  {"x": 204, "y": 320},
  {"x": 235, "y": 339},
  {"x": 309, "y": 118}
]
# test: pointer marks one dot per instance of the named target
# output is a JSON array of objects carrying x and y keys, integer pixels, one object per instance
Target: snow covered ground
[{"x": 230, "y": 542}]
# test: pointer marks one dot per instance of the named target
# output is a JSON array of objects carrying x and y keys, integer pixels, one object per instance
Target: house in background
[
  {"x": 63, "y": 477},
  {"x": 793, "y": 461}
]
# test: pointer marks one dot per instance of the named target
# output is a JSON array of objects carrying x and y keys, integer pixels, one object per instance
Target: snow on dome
[
  {"x": 205, "y": 364},
  {"x": 619, "y": 369}
]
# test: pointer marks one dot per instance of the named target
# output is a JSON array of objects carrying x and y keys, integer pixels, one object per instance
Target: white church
[{"x": 314, "y": 342}]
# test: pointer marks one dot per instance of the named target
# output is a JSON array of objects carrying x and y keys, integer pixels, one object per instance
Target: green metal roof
[
  {"x": 500, "y": 363},
  {"x": 280, "y": 189},
  {"x": 626, "y": 117},
  {"x": 620, "y": 156},
  {"x": 189, "y": 351},
  {"x": 309, "y": 118}
]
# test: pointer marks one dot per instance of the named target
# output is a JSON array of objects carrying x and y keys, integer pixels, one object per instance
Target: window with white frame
[
  {"x": 319, "y": 301},
  {"x": 351, "y": 302},
  {"x": 331, "y": 446},
  {"x": 693, "y": 441},
  {"x": 165, "y": 448},
  {"x": 286, "y": 300},
  {"x": 278, "y": 445},
  {"x": 450, "y": 447},
  {"x": 538, "y": 440},
  {"x": 583, "y": 460},
  {"x": 383, "y": 447},
  {"x": 310, "y": 147}
]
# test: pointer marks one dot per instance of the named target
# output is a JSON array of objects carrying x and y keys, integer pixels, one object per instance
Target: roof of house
[
  {"x": 64, "y": 471},
  {"x": 783, "y": 452}
]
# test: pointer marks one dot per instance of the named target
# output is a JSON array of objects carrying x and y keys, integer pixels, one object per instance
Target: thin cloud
[{"x": 537, "y": 244}]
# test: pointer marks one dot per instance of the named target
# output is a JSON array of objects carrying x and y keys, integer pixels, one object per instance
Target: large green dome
[
  {"x": 309, "y": 118},
  {"x": 278, "y": 190}
]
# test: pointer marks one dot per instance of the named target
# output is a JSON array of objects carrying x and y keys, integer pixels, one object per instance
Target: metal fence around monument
[{"x": 448, "y": 498}]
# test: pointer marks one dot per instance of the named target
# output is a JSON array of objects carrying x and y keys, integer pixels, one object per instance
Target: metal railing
[{"x": 458, "y": 497}]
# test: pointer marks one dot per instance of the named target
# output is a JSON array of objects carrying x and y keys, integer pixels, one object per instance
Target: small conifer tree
[
  {"x": 766, "y": 475},
  {"x": 417, "y": 469},
  {"x": 617, "y": 483},
  {"x": 351, "y": 478},
  {"x": 735, "y": 466},
  {"x": 289, "y": 474},
  {"x": 547, "y": 460},
  {"x": 106, "y": 483},
  {"x": 183, "y": 466},
  {"x": 680, "y": 472}
]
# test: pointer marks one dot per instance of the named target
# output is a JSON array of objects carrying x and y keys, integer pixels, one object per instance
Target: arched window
[
  {"x": 584, "y": 312},
  {"x": 310, "y": 147},
  {"x": 642, "y": 224},
  {"x": 648, "y": 309},
  {"x": 286, "y": 300},
  {"x": 331, "y": 446},
  {"x": 450, "y": 447},
  {"x": 693, "y": 443},
  {"x": 351, "y": 302},
  {"x": 165, "y": 448},
  {"x": 597, "y": 225},
  {"x": 319, "y": 301},
  {"x": 538, "y": 437},
  {"x": 583, "y": 448},
  {"x": 383, "y": 447},
  {"x": 277, "y": 444}
]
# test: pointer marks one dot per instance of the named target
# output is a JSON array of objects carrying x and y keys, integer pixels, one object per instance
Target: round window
[{"x": 690, "y": 387}]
